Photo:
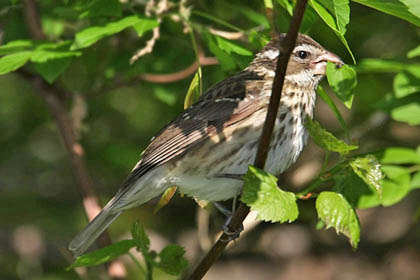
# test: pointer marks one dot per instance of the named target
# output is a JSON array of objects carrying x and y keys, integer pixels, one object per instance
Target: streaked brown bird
[{"x": 206, "y": 149}]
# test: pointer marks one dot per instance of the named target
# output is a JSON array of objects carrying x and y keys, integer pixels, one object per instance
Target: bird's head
[{"x": 307, "y": 63}]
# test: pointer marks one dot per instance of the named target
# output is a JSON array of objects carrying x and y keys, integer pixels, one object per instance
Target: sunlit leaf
[
  {"x": 165, "y": 198},
  {"x": 413, "y": 7},
  {"x": 193, "y": 92},
  {"x": 369, "y": 169},
  {"x": 414, "y": 52},
  {"x": 326, "y": 140},
  {"x": 406, "y": 83},
  {"x": 14, "y": 61},
  {"x": 91, "y": 35},
  {"x": 261, "y": 194},
  {"x": 335, "y": 211},
  {"x": 342, "y": 13},
  {"x": 400, "y": 155}
]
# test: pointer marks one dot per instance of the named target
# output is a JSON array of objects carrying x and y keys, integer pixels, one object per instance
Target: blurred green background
[{"x": 41, "y": 209}]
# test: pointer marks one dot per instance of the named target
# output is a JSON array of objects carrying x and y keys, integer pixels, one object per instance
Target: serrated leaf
[
  {"x": 140, "y": 237},
  {"x": 172, "y": 260},
  {"x": 231, "y": 47},
  {"x": 14, "y": 61},
  {"x": 369, "y": 169},
  {"x": 261, "y": 193},
  {"x": 343, "y": 82},
  {"x": 91, "y": 35},
  {"x": 164, "y": 199},
  {"x": 105, "y": 254},
  {"x": 326, "y": 140},
  {"x": 52, "y": 69},
  {"x": 400, "y": 155},
  {"x": 327, "y": 99},
  {"x": 392, "y": 7},
  {"x": 335, "y": 211},
  {"x": 193, "y": 92}
]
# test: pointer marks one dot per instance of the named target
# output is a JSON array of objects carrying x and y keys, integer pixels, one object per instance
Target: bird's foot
[{"x": 232, "y": 234}]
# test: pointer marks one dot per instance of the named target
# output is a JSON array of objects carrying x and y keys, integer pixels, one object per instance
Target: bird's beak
[{"x": 320, "y": 64}]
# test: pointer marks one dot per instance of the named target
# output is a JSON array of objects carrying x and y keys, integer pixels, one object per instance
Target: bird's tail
[{"x": 91, "y": 232}]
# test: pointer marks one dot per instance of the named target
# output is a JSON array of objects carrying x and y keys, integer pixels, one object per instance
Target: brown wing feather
[{"x": 228, "y": 102}]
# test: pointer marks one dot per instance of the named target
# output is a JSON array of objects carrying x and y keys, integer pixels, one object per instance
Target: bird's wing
[{"x": 228, "y": 102}]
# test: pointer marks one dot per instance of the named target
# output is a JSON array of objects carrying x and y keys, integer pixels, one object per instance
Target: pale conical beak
[{"x": 320, "y": 64}]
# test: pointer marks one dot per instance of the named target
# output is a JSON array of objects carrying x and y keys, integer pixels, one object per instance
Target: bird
[{"x": 206, "y": 149}]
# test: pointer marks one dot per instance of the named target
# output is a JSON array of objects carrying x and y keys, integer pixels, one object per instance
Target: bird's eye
[{"x": 302, "y": 54}]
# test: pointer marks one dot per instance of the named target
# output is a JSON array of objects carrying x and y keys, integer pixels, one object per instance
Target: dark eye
[{"x": 302, "y": 54}]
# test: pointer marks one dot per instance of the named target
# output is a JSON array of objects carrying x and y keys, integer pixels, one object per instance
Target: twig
[
  {"x": 286, "y": 49},
  {"x": 50, "y": 94},
  {"x": 177, "y": 76}
]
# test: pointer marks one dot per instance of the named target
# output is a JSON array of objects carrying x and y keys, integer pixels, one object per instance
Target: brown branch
[
  {"x": 51, "y": 96},
  {"x": 177, "y": 76},
  {"x": 286, "y": 49}
]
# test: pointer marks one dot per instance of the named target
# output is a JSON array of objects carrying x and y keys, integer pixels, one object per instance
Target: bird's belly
[{"x": 214, "y": 172}]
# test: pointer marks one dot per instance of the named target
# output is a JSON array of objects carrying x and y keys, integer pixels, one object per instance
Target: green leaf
[
  {"x": 286, "y": 5},
  {"x": 328, "y": 18},
  {"x": 261, "y": 193},
  {"x": 414, "y": 52},
  {"x": 111, "y": 8},
  {"x": 91, "y": 35},
  {"x": 230, "y": 47},
  {"x": 400, "y": 155},
  {"x": 52, "y": 69},
  {"x": 326, "y": 140},
  {"x": 335, "y": 211},
  {"x": 226, "y": 61},
  {"x": 373, "y": 65},
  {"x": 165, "y": 95},
  {"x": 252, "y": 15},
  {"x": 16, "y": 46},
  {"x": 342, "y": 13},
  {"x": 406, "y": 83},
  {"x": 392, "y": 7},
  {"x": 193, "y": 92},
  {"x": 369, "y": 169},
  {"x": 413, "y": 7},
  {"x": 327, "y": 99},
  {"x": 105, "y": 254},
  {"x": 14, "y": 61},
  {"x": 343, "y": 82},
  {"x": 145, "y": 25},
  {"x": 140, "y": 237},
  {"x": 396, "y": 189},
  {"x": 394, "y": 171},
  {"x": 415, "y": 181},
  {"x": 172, "y": 260},
  {"x": 165, "y": 198},
  {"x": 409, "y": 113}
]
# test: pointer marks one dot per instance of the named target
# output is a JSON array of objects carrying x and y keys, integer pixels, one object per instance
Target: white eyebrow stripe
[{"x": 304, "y": 47}]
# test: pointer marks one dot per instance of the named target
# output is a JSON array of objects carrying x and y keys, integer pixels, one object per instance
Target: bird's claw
[{"x": 232, "y": 234}]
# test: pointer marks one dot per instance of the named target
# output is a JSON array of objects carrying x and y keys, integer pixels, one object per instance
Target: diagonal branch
[{"x": 285, "y": 51}]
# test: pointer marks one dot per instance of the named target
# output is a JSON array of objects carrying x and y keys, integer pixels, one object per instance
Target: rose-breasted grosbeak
[{"x": 207, "y": 148}]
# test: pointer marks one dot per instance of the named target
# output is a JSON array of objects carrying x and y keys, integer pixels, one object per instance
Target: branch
[
  {"x": 177, "y": 76},
  {"x": 51, "y": 96},
  {"x": 286, "y": 49}
]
